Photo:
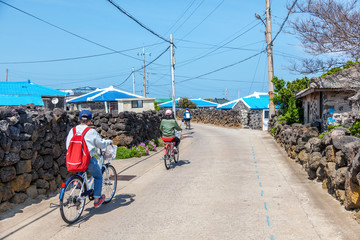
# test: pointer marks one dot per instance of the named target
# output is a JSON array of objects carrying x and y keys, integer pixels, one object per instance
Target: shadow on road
[
  {"x": 179, "y": 163},
  {"x": 119, "y": 200}
]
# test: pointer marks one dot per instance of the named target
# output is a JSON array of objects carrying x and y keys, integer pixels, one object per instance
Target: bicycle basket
[
  {"x": 110, "y": 152},
  {"x": 178, "y": 134}
]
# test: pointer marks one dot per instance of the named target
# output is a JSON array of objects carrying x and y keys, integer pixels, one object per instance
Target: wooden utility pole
[
  {"x": 270, "y": 59},
  {"x": 143, "y": 54},
  {"x": 172, "y": 74},
  {"x": 133, "y": 73}
]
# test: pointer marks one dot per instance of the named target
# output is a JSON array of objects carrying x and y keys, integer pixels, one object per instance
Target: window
[
  {"x": 137, "y": 104},
  {"x": 266, "y": 115}
]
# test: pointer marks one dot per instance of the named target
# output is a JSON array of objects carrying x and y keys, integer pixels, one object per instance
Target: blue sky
[{"x": 197, "y": 36}]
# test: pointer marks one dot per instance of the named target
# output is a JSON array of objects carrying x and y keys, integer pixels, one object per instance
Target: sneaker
[
  {"x": 175, "y": 150},
  {"x": 101, "y": 200}
]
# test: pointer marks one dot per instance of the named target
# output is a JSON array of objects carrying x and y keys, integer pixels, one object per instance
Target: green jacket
[{"x": 167, "y": 127}]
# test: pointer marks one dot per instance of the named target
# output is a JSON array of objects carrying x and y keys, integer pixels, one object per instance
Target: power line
[
  {"x": 74, "y": 58},
  {"x": 219, "y": 69},
  {"x": 283, "y": 24},
  {"x": 144, "y": 66},
  {"x": 137, "y": 21},
  {"x": 205, "y": 18},
  {"x": 62, "y": 29},
  {"x": 189, "y": 16},
  {"x": 205, "y": 55}
]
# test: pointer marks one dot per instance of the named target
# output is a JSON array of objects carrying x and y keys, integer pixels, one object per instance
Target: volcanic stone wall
[
  {"x": 333, "y": 160},
  {"x": 32, "y": 146},
  {"x": 226, "y": 118}
]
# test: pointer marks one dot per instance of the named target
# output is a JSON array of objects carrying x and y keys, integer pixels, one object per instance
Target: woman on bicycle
[
  {"x": 168, "y": 126},
  {"x": 92, "y": 139}
]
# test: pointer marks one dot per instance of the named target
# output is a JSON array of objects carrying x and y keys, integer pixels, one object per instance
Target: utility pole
[
  {"x": 172, "y": 74},
  {"x": 270, "y": 59},
  {"x": 133, "y": 73},
  {"x": 147, "y": 84},
  {"x": 143, "y": 54},
  {"x": 6, "y": 75}
]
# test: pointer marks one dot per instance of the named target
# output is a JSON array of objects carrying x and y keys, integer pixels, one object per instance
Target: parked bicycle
[
  {"x": 78, "y": 187},
  {"x": 170, "y": 153}
]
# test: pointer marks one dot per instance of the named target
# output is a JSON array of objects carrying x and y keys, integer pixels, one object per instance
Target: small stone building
[
  {"x": 254, "y": 110},
  {"x": 333, "y": 99},
  {"x": 112, "y": 101}
]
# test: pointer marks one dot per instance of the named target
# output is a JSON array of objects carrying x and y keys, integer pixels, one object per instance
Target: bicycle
[
  {"x": 169, "y": 152},
  {"x": 187, "y": 124},
  {"x": 77, "y": 188}
]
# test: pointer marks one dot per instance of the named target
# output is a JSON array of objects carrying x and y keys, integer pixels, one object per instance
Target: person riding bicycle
[
  {"x": 187, "y": 116},
  {"x": 93, "y": 140},
  {"x": 168, "y": 126}
]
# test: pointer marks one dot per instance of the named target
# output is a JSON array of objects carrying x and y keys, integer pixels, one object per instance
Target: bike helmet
[
  {"x": 168, "y": 112},
  {"x": 187, "y": 108}
]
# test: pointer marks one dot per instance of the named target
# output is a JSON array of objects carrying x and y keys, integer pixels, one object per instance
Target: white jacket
[{"x": 92, "y": 139}]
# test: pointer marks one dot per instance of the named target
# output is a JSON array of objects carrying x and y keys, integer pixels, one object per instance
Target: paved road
[{"x": 229, "y": 184}]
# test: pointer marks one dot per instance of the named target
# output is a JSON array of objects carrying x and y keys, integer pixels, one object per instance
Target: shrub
[
  {"x": 329, "y": 128},
  {"x": 123, "y": 152},
  {"x": 274, "y": 129},
  {"x": 355, "y": 129},
  {"x": 159, "y": 142},
  {"x": 151, "y": 145}
]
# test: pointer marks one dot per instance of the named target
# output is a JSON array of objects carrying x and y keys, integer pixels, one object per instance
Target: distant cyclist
[
  {"x": 187, "y": 117},
  {"x": 168, "y": 126}
]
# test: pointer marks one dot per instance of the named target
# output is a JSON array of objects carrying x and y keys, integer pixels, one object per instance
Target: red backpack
[{"x": 78, "y": 155}]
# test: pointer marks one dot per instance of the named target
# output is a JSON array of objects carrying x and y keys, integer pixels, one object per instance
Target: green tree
[
  {"x": 284, "y": 96},
  {"x": 186, "y": 103},
  {"x": 156, "y": 107}
]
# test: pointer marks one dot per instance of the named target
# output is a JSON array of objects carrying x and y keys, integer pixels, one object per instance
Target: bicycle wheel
[
  {"x": 109, "y": 182},
  {"x": 176, "y": 155},
  {"x": 167, "y": 158},
  {"x": 71, "y": 205}
]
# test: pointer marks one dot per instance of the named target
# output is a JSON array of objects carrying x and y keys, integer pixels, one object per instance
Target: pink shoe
[{"x": 101, "y": 200}]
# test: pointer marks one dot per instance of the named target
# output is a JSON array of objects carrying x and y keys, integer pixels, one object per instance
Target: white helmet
[{"x": 168, "y": 112}]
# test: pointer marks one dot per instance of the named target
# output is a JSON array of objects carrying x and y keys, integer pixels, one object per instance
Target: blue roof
[
  {"x": 228, "y": 105},
  {"x": 27, "y": 88},
  {"x": 257, "y": 101},
  {"x": 199, "y": 103},
  {"x": 8, "y": 100},
  {"x": 101, "y": 95},
  {"x": 22, "y": 93}
]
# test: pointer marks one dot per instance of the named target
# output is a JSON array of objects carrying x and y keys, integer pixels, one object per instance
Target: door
[{"x": 265, "y": 120}]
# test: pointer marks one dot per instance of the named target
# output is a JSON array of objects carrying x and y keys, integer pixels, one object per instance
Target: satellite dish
[{"x": 54, "y": 100}]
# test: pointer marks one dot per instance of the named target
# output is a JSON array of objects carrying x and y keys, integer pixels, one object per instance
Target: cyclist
[
  {"x": 168, "y": 126},
  {"x": 187, "y": 116},
  {"x": 93, "y": 140}
]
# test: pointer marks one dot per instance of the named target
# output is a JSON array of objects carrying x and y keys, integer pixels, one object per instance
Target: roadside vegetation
[{"x": 142, "y": 149}]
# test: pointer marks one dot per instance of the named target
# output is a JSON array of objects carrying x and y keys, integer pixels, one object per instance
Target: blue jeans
[{"x": 95, "y": 171}]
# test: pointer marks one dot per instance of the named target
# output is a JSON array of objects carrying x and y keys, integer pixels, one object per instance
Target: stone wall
[
  {"x": 226, "y": 118},
  {"x": 333, "y": 160},
  {"x": 32, "y": 146},
  {"x": 251, "y": 118}
]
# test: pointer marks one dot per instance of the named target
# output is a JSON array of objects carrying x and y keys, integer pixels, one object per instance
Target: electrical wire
[
  {"x": 74, "y": 58},
  {"x": 144, "y": 66},
  {"x": 189, "y": 16},
  {"x": 205, "y": 55},
  {"x": 137, "y": 21},
  {"x": 252, "y": 82},
  {"x": 64, "y": 30},
  {"x": 205, "y": 18},
  {"x": 283, "y": 24},
  {"x": 219, "y": 69}
]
